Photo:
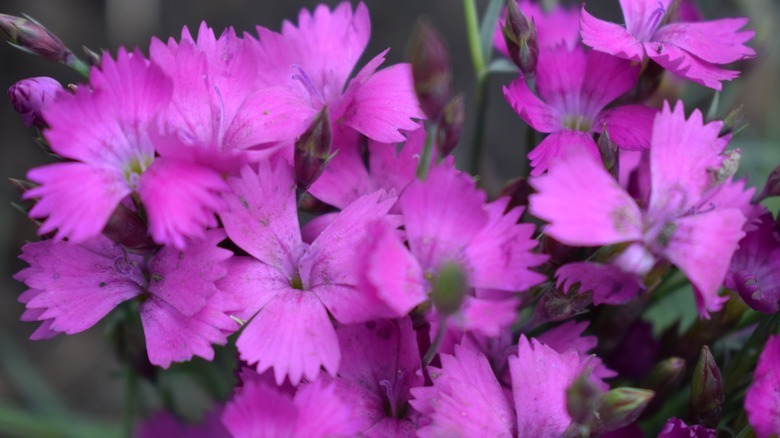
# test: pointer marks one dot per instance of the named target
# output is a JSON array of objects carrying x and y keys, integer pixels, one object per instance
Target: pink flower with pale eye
[
  {"x": 693, "y": 50},
  {"x": 574, "y": 87},
  {"x": 308, "y": 67},
  {"x": 690, "y": 201},
  {"x": 109, "y": 130}
]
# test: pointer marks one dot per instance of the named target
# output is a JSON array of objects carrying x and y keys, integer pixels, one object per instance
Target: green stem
[
  {"x": 479, "y": 128},
  {"x": 441, "y": 332},
  {"x": 427, "y": 153},
  {"x": 80, "y": 66},
  {"x": 472, "y": 30}
]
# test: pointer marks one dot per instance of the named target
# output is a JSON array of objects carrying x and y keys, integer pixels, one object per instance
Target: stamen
[
  {"x": 390, "y": 396},
  {"x": 300, "y": 75}
]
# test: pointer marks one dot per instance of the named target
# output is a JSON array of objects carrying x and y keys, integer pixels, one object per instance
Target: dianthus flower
[
  {"x": 574, "y": 86},
  {"x": 73, "y": 286},
  {"x": 109, "y": 130},
  {"x": 755, "y": 267},
  {"x": 308, "y": 68},
  {"x": 289, "y": 287},
  {"x": 762, "y": 402},
  {"x": 691, "y": 50},
  {"x": 691, "y": 201}
]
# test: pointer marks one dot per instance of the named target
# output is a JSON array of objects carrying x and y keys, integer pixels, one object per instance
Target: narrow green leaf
[{"x": 488, "y": 26}]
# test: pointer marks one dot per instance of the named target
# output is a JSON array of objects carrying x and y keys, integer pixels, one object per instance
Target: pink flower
[
  {"x": 689, "y": 203},
  {"x": 288, "y": 286},
  {"x": 30, "y": 95},
  {"x": 755, "y": 267},
  {"x": 217, "y": 113},
  {"x": 693, "y": 50},
  {"x": 676, "y": 428},
  {"x": 574, "y": 86},
  {"x": 309, "y": 67},
  {"x": 762, "y": 402},
  {"x": 109, "y": 129},
  {"x": 380, "y": 365},
  {"x": 261, "y": 410},
  {"x": 164, "y": 424},
  {"x": 72, "y": 287},
  {"x": 448, "y": 224}
]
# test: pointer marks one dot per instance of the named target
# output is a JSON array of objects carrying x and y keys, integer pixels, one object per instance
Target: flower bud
[
  {"x": 609, "y": 153},
  {"x": 520, "y": 36},
  {"x": 583, "y": 399},
  {"x": 431, "y": 69},
  {"x": 126, "y": 228},
  {"x": 772, "y": 185},
  {"x": 29, "y": 96},
  {"x": 28, "y": 35},
  {"x": 312, "y": 150},
  {"x": 450, "y": 289},
  {"x": 707, "y": 390},
  {"x": 664, "y": 379},
  {"x": 621, "y": 407},
  {"x": 453, "y": 119},
  {"x": 734, "y": 122}
]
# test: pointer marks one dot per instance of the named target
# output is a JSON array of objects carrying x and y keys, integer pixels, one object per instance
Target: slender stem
[
  {"x": 479, "y": 127},
  {"x": 427, "y": 153},
  {"x": 472, "y": 30},
  {"x": 441, "y": 332}
]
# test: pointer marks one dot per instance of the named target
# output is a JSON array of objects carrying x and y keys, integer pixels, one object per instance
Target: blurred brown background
[{"x": 79, "y": 371}]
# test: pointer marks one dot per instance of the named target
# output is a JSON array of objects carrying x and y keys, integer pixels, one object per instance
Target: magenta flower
[
  {"x": 688, "y": 202},
  {"x": 559, "y": 26},
  {"x": 165, "y": 424},
  {"x": 608, "y": 283},
  {"x": 309, "y": 66},
  {"x": 676, "y": 428},
  {"x": 109, "y": 132},
  {"x": 380, "y": 365},
  {"x": 465, "y": 399},
  {"x": 72, "y": 287},
  {"x": 30, "y": 95},
  {"x": 694, "y": 51},
  {"x": 447, "y": 223},
  {"x": 221, "y": 119},
  {"x": 261, "y": 410},
  {"x": 288, "y": 286},
  {"x": 755, "y": 267},
  {"x": 574, "y": 86},
  {"x": 762, "y": 402}
]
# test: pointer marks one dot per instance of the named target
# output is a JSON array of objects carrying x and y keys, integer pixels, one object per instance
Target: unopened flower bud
[
  {"x": 621, "y": 407},
  {"x": 431, "y": 69},
  {"x": 93, "y": 58},
  {"x": 609, "y": 153},
  {"x": 30, "y": 36},
  {"x": 126, "y": 228},
  {"x": 450, "y": 289},
  {"x": 518, "y": 191},
  {"x": 583, "y": 399},
  {"x": 772, "y": 186},
  {"x": 29, "y": 96},
  {"x": 453, "y": 119},
  {"x": 707, "y": 390},
  {"x": 312, "y": 150},
  {"x": 664, "y": 379},
  {"x": 521, "y": 40}
]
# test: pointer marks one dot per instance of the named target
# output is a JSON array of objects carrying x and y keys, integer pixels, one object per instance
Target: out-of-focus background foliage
[{"x": 78, "y": 376}]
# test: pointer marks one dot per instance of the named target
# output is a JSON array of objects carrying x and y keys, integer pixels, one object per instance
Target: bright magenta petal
[
  {"x": 704, "y": 259},
  {"x": 260, "y": 410},
  {"x": 530, "y": 108},
  {"x": 74, "y": 286},
  {"x": 76, "y": 199},
  {"x": 629, "y": 126},
  {"x": 610, "y": 38},
  {"x": 293, "y": 335},
  {"x": 185, "y": 279},
  {"x": 762, "y": 402},
  {"x": 558, "y": 145},
  {"x": 643, "y": 16},
  {"x": 565, "y": 199},
  {"x": 689, "y": 66},
  {"x": 609, "y": 284},
  {"x": 540, "y": 377},
  {"x": 716, "y": 42},
  {"x": 465, "y": 399},
  {"x": 181, "y": 200},
  {"x": 501, "y": 252},
  {"x": 261, "y": 215},
  {"x": 174, "y": 337}
]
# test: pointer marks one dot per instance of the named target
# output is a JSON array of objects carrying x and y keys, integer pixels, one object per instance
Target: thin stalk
[
  {"x": 427, "y": 153},
  {"x": 441, "y": 332},
  {"x": 472, "y": 30}
]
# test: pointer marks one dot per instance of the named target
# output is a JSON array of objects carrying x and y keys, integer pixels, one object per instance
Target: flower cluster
[{"x": 251, "y": 191}]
